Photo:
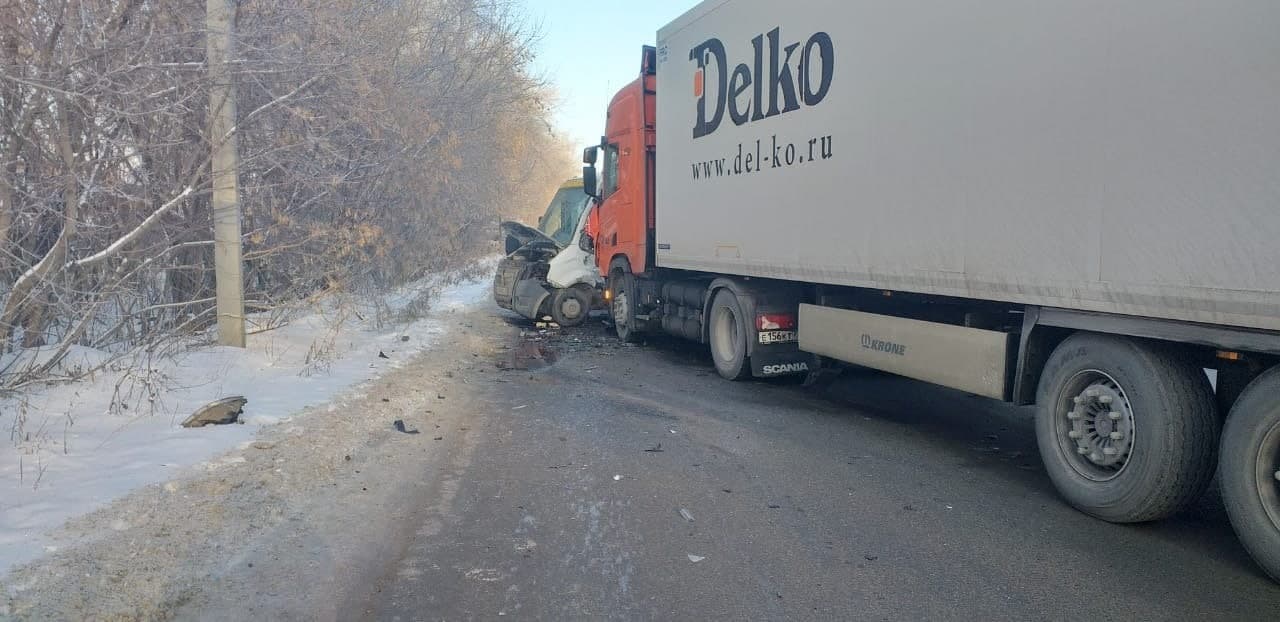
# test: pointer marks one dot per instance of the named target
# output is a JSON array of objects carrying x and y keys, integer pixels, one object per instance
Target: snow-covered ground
[{"x": 81, "y": 450}]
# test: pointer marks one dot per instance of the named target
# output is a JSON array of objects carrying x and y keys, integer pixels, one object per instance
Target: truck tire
[
  {"x": 727, "y": 331},
  {"x": 1250, "y": 470},
  {"x": 570, "y": 306},
  {"x": 1127, "y": 430},
  {"x": 622, "y": 308}
]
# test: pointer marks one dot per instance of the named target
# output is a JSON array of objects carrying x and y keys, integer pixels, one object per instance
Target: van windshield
[{"x": 563, "y": 215}]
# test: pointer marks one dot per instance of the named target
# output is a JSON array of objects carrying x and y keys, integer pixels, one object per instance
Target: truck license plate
[{"x": 777, "y": 336}]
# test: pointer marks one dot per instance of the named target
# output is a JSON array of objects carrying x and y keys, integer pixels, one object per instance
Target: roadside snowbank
[{"x": 82, "y": 449}]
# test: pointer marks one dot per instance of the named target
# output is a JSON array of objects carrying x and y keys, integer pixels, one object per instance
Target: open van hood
[
  {"x": 523, "y": 234},
  {"x": 528, "y": 242}
]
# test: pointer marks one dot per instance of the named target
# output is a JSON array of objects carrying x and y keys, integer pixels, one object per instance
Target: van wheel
[
  {"x": 570, "y": 306},
  {"x": 1127, "y": 430},
  {"x": 623, "y": 306},
  {"x": 728, "y": 336},
  {"x": 1250, "y": 470}
]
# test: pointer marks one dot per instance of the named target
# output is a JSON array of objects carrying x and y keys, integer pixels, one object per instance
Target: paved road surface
[{"x": 877, "y": 498}]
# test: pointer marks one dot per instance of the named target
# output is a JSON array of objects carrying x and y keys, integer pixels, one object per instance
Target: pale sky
[{"x": 589, "y": 50}]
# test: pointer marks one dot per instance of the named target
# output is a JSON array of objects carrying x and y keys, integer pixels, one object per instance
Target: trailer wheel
[
  {"x": 570, "y": 306},
  {"x": 727, "y": 332},
  {"x": 623, "y": 307},
  {"x": 1127, "y": 430},
  {"x": 1250, "y": 470}
]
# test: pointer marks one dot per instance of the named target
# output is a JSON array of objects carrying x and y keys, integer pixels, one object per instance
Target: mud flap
[{"x": 782, "y": 360}]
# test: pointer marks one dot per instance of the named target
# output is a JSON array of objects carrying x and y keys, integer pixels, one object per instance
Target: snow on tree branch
[{"x": 132, "y": 235}]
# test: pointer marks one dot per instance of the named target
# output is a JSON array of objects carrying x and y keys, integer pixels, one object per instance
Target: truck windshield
[{"x": 563, "y": 214}]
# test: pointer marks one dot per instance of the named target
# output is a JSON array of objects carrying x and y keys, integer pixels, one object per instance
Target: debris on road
[
  {"x": 617, "y": 478},
  {"x": 685, "y": 514},
  {"x": 527, "y": 547},
  {"x": 263, "y": 445},
  {"x": 528, "y": 355},
  {"x": 696, "y": 558},
  {"x": 398, "y": 424},
  {"x": 655, "y": 450},
  {"x": 520, "y": 406},
  {"x": 382, "y": 355},
  {"x": 224, "y": 411}
]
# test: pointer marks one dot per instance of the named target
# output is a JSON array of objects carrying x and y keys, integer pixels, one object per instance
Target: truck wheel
[
  {"x": 570, "y": 306},
  {"x": 727, "y": 332},
  {"x": 1250, "y": 470},
  {"x": 1127, "y": 430},
  {"x": 623, "y": 306}
]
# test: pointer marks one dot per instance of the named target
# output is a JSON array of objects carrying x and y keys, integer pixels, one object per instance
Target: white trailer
[
  {"x": 1110, "y": 156},
  {"x": 1071, "y": 203}
]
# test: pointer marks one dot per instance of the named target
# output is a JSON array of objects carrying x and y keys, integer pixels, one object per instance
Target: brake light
[{"x": 776, "y": 321}]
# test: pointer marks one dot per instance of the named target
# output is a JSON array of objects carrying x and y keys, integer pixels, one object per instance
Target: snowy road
[
  {"x": 633, "y": 483},
  {"x": 630, "y": 482}
]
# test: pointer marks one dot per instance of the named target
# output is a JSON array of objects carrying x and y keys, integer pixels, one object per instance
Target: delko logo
[{"x": 809, "y": 83}]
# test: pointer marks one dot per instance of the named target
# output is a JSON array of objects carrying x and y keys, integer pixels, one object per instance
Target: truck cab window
[{"x": 609, "y": 172}]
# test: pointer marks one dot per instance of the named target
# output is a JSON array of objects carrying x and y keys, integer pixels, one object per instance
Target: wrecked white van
[{"x": 550, "y": 270}]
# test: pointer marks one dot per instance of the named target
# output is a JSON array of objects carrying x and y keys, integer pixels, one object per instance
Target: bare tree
[{"x": 379, "y": 141}]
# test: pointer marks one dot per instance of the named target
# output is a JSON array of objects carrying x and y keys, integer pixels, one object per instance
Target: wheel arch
[
  {"x": 746, "y": 300},
  {"x": 1043, "y": 329},
  {"x": 619, "y": 263}
]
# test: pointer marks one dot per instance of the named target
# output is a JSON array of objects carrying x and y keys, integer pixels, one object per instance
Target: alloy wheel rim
[
  {"x": 1095, "y": 425},
  {"x": 1267, "y": 473}
]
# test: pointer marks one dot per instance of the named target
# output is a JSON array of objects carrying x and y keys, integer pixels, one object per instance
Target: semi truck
[{"x": 1071, "y": 204}]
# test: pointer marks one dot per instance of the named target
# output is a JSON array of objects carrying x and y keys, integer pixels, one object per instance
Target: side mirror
[
  {"x": 586, "y": 243},
  {"x": 590, "y": 154},
  {"x": 589, "y": 181}
]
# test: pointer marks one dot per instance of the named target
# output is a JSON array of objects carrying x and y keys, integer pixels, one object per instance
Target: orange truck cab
[
  {"x": 645, "y": 298},
  {"x": 625, "y": 189}
]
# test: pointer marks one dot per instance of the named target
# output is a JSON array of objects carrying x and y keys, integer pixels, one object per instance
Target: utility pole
[{"x": 226, "y": 186}]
